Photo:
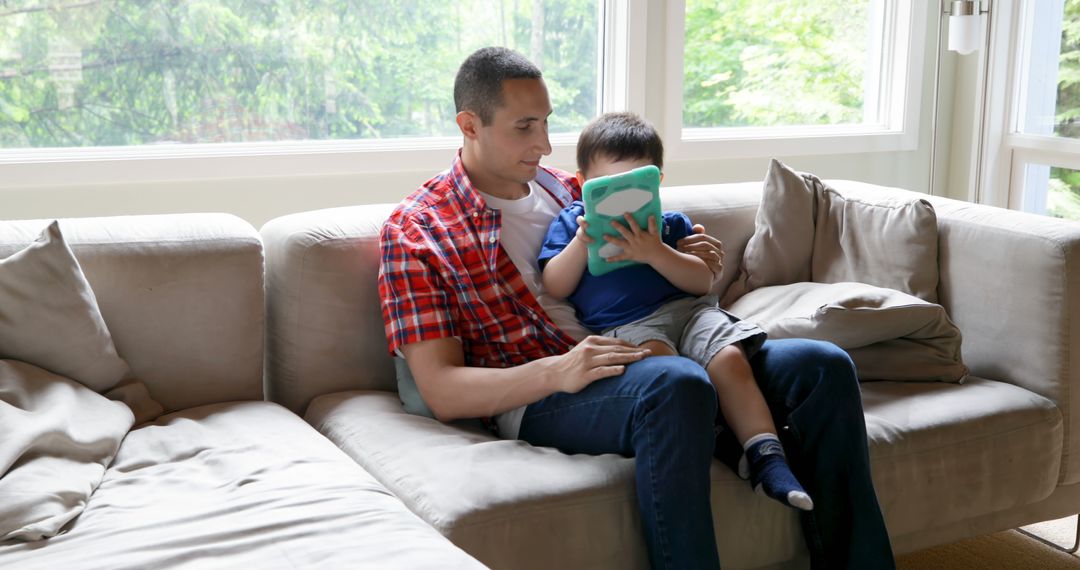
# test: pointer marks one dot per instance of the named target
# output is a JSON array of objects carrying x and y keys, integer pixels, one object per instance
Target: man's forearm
[{"x": 453, "y": 390}]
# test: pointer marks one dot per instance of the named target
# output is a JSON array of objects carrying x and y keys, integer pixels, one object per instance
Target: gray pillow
[
  {"x": 889, "y": 334},
  {"x": 807, "y": 230},
  {"x": 49, "y": 316}
]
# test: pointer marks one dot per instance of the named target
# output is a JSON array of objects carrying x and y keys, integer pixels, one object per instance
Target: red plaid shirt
[{"x": 445, "y": 274}]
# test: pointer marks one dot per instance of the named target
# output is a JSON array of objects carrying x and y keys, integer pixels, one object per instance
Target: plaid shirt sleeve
[{"x": 415, "y": 303}]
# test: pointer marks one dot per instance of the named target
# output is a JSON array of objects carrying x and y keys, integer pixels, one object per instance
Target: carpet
[{"x": 1002, "y": 550}]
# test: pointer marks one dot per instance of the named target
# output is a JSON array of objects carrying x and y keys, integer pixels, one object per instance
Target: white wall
[{"x": 259, "y": 199}]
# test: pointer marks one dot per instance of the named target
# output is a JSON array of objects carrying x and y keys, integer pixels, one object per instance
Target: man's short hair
[
  {"x": 478, "y": 85},
  {"x": 619, "y": 136}
]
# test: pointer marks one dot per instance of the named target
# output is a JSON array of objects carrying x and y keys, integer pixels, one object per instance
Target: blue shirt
[{"x": 621, "y": 296}]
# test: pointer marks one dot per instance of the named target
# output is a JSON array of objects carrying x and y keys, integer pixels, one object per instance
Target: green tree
[
  {"x": 785, "y": 62},
  {"x": 130, "y": 72},
  {"x": 1063, "y": 199}
]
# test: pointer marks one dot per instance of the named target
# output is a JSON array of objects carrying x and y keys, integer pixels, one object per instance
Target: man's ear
[
  {"x": 580, "y": 178},
  {"x": 469, "y": 124}
]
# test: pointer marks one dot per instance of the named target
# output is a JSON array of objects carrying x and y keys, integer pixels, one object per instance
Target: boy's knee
[{"x": 728, "y": 360}]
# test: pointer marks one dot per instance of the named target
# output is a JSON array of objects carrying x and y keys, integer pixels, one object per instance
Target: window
[
  {"x": 784, "y": 63},
  {"x": 81, "y": 73},
  {"x": 773, "y": 75},
  {"x": 1030, "y": 145},
  {"x": 1047, "y": 110}
]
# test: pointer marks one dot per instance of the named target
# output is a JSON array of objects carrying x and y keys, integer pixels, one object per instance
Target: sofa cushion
[
  {"x": 58, "y": 437},
  {"x": 890, "y": 335},
  {"x": 240, "y": 485},
  {"x": 942, "y": 453},
  {"x": 182, "y": 295},
  {"x": 49, "y": 316},
  {"x": 807, "y": 230},
  {"x": 514, "y": 505}
]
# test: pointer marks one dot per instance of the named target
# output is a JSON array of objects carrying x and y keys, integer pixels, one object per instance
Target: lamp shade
[{"x": 964, "y": 33}]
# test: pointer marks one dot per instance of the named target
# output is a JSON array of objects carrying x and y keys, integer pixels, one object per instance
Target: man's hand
[
  {"x": 704, "y": 246},
  {"x": 641, "y": 245},
  {"x": 594, "y": 358}
]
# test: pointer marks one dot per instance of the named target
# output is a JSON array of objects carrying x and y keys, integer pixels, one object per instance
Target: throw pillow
[
  {"x": 49, "y": 315},
  {"x": 806, "y": 230},
  {"x": 58, "y": 438},
  {"x": 889, "y": 334}
]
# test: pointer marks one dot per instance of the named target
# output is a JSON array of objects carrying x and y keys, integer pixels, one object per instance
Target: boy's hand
[
  {"x": 641, "y": 245},
  {"x": 580, "y": 235}
]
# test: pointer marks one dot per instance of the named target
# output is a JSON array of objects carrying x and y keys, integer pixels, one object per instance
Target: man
[{"x": 462, "y": 302}]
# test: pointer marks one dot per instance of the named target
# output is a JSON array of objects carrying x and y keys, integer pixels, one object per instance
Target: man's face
[{"x": 510, "y": 147}]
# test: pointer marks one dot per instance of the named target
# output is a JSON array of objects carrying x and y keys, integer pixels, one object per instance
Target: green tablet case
[{"x": 608, "y": 198}]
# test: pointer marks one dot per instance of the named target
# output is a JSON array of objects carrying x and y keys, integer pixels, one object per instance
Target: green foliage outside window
[
  {"x": 1063, "y": 199},
  {"x": 783, "y": 62},
  {"x": 77, "y": 73}
]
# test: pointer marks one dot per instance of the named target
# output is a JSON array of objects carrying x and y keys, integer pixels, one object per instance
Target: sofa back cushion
[
  {"x": 324, "y": 322},
  {"x": 182, "y": 296}
]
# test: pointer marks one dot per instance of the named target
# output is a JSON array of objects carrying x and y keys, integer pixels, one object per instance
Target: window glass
[
  {"x": 129, "y": 72},
  {"x": 1052, "y": 191},
  {"x": 1049, "y": 103},
  {"x": 779, "y": 63}
]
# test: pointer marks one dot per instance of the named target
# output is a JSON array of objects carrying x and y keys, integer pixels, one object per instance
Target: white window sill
[
  {"x": 702, "y": 144},
  {"x": 27, "y": 168}
]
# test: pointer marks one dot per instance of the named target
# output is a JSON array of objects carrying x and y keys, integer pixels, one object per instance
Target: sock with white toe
[{"x": 770, "y": 474}]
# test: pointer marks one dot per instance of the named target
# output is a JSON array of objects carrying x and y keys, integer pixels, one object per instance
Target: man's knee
[
  {"x": 821, "y": 367},
  {"x": 679, "y": 383}
]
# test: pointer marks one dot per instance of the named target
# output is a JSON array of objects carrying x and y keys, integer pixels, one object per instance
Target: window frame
[
  {"x": 902, "y": 53},
  {"x": 1001, "y": 171}
]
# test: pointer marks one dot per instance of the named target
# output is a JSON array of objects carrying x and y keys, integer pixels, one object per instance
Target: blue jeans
[{"x": 663, "y": 412}]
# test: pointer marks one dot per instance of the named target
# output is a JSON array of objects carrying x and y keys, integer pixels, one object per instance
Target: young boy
[{"x": 664, "y": 304}]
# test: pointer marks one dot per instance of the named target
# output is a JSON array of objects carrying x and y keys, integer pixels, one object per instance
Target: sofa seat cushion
[
  {"x": 512, "y": 505},
  {"x": 942, "y": 453},
  {"x": 238, "y": 485}
]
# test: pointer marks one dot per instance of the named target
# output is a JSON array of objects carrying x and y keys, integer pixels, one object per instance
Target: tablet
[{"x": 608, "y": 198}]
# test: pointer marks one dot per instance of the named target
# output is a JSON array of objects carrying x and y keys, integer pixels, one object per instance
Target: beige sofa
[
  {"x": 224, "y": 479},
  {"x": 949, "y": 461}
]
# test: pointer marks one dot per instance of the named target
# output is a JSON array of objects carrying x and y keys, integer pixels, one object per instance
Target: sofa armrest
[{"x": 1011, "y": 282}]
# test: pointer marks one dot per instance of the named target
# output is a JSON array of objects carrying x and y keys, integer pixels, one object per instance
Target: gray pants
[{"x": 695, "y": 327}]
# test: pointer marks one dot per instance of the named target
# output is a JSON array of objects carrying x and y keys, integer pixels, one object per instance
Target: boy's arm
[
  {"x": 562, "y": 272},
  {"x": 686, "y": 271}
]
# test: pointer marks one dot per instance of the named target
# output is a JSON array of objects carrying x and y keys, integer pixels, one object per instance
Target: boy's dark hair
[
  {"x": 619, "y": 136},
  {"x": 478, "y": 85}
]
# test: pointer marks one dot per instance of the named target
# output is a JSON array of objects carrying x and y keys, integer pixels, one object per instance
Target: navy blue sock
[{"x": 770, "y": 474}]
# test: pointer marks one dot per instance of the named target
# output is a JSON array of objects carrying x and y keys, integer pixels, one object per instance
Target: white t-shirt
[{"x": 525, "y": 223}]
